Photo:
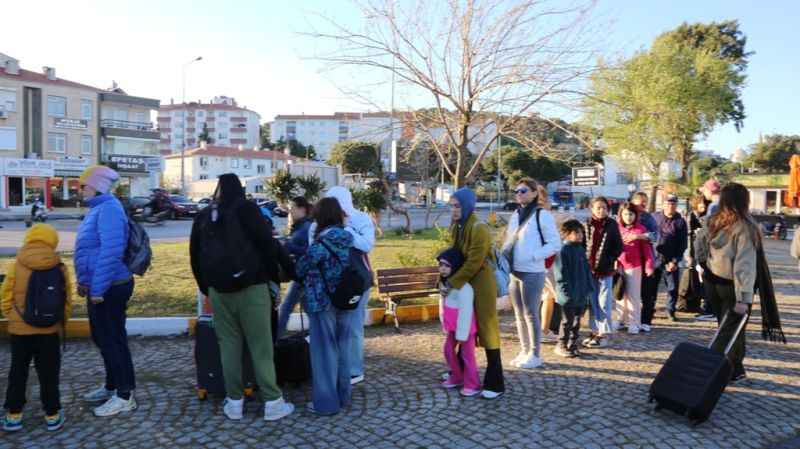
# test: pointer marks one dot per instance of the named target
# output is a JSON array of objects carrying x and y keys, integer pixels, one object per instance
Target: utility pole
[{"x": 183, "y": 144}]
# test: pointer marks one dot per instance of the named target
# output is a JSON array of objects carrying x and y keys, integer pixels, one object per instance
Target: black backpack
[
  {"x": 227, "y": 259},
  {"x": 138, "y": 253},
  {"x": 356, "y": 279},
  {"x": 45, "y": 298}
]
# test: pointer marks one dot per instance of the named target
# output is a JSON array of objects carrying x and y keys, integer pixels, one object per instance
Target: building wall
[
  {"x": 187, "y": 123},
  {"x": 216, "y": 166}
]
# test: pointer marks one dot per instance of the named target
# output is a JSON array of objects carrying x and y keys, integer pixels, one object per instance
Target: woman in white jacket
[
  {"x": 360, "y": 226},
  {"x": 531, "y": 237}
]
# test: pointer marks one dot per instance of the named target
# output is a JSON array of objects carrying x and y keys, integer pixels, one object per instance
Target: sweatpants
[
  {"x": 460, "y": 357},
  {"x": 630, "y": 308},
  {"x": 525, "y": 292},
  {"x": 107, "y": 326},
  {"x": 239, "y": 317},
  {"x": 45, "y": 351}
]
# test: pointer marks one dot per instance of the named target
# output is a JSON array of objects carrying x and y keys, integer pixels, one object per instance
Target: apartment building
[
  {"x": 227, "y": 123},
  {"x": 51, "y": 130},
  {"x": 325, "y": 131}
]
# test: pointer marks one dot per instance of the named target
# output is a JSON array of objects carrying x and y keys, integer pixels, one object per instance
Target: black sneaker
[
  {"x": 738, "y": 377},
  {"x": 672, "y": 317}
]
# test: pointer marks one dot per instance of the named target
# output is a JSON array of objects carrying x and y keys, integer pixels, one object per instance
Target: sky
[{"x": 253, "y": 51}]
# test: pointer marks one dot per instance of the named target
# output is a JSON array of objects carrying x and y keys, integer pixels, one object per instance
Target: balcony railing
[{"x": 124, "y": 124}]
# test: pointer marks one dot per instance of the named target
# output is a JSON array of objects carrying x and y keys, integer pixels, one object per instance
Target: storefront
[
  {"x": 25, "y": 181},
  {"x": 138, "y": 174},
  {"x": 65, "y": 185}
]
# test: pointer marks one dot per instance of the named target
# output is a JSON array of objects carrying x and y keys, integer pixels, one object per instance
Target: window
[
  {"x": 247, "y": 164},
  {"x": 56, "y": 106},
  {"x": 86, "y": 109},
  {"x": 203, "y": 177},
  {"x": 86, "y": 145},
  {"x": 8, "y": 99},
  {"x": 222, "y": 114},
  {"x": 260, "y": 169},
  {"x": 203, "y": 163},
  {"x": 8, "y": 138},
  {"x": 56, "y": 143},
  {"x": 121, "y": 115},
  {"x": 234, "y": 163},
  {"x": 140, "y": 117},
  {"x": 201, "y": 113},
  {"x": 223, "y": 136}
]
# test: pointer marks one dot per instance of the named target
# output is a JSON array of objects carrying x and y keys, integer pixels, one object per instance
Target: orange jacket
[{"x": 37, "y": 253}]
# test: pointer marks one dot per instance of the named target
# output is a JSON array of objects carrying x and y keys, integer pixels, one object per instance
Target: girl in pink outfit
[
  {"x": 458, "y": 321},
  {"x": 636, "y": 256}
]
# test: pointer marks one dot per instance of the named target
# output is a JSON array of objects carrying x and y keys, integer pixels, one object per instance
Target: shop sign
[
  {"x": 153, "y": 164},
  {"x": 29, "y": 167},
  {"x": 70, "y": 123},
  {"x": 128, "y": 163},
  {"x": 71, "y": 164},
  {"x": 586, "y": 176}
]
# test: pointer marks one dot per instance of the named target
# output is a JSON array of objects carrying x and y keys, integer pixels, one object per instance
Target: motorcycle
[
  {"x": 146, "y": 214},
  {"x": 38, "y": 214}
]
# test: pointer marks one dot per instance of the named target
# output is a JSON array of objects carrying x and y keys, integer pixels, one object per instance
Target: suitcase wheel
[
  {"x": 248, "y": 391},
  {"x": 657, "y": 408},
  {"x": 202, "y": 394}
]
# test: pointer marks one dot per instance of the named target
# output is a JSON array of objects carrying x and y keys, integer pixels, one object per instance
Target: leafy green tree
[
  {"x": 282, "y": 186},
  {"x": 373, "y": 200},
  {"x": 517, "y": 162},
  {"x": 772, "y": 154},
  {"x": 204, "y": 135},
  {"x": 357, "y": 157},
  {"x": 311, "y": 185},
  {"x": 264, "y": 135}
]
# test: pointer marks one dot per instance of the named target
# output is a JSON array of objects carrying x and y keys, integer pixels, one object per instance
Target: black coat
[{"x": 609, "y": 250}]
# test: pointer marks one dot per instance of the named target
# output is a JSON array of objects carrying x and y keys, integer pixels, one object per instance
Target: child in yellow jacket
[{"x": 40, "y": 344}]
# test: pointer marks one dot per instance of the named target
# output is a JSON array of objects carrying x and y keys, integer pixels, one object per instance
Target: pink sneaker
[
  {"x": 447, "y": 384},
  {"x": 468, "y": 392}
]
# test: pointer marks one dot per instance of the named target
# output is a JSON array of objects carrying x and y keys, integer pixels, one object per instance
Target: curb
[{"x": 172, "y": 326}]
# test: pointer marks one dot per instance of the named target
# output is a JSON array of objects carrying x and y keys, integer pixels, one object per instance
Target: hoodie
[
  {"x": 357, "y": 223},
  {"x": 38, "y": 252},
  {"x": 466, "y": 199}
]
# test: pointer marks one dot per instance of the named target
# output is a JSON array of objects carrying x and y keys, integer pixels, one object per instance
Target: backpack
[
  {"x": 549, "y": 261},
  {"x": 138, "y": 253},
  {"x": 45, "y": 298},
  {"x": 356, "y": 280},
  {"x": 502, "y": 272},
  {"x": 226, "y": 258}
]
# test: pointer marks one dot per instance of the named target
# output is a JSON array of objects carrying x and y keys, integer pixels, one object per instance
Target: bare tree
[
  {"x": 485, "y": 67},
  {"x": 421, "y": 160}
]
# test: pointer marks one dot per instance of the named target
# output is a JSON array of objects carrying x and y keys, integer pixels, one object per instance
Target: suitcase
[
  {"x": 292, "y": 357},
  {"x": 209, "y": 363},
  {"x": 693, "y": 378}
]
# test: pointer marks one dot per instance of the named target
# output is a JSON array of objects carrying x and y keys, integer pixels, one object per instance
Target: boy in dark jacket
[
  {"x": 574, "y": 286},
  {"x": 603, "y": 248}
]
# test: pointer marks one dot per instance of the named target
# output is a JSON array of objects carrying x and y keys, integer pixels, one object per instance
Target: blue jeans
[
  {"x": 356, "y": 347},
  {"x": 525, "y": 292},
  {"x": 605, "y": 301},
  {"x": 107, "y": 325},
  {"x": 293, "y": 295},
  {"x": 331, "y": 333},
  {"x": 671, "y": 280}
]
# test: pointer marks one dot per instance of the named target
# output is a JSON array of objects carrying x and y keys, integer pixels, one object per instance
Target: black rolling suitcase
[
  {"x": 693, "y": 378},
  {"x": 209, "y": 363},
  {"x": 292, "y": 357}
]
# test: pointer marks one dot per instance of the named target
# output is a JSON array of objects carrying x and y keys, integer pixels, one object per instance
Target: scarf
[{"x": 770, "y": 317}]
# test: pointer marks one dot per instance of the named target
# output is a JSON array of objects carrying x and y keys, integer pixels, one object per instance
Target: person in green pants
[{"x": 233, "y": 257}]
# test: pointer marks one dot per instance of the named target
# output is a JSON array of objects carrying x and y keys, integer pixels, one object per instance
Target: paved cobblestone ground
[{"x": 594, "y": 402}]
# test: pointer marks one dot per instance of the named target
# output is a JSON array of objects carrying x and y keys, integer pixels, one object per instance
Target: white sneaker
[
  {"x": 521, "y": 357},
  {"x": 356, "y": 379},
  {"x": 633, "y": 330},
  {"x": 532, "y": 362},
  {"x": 549, "y": 337},
  {"x": 99, "y": 395},
  {"x": 645, "y": 328},
  {"x": 488, "y": 394},
  {"x": 233, "y": 408},
  {"x": 277, "y": 409},
  {"x": 115, "y": 406}
]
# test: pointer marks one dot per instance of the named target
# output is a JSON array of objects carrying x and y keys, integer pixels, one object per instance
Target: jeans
[
  {"x": 672, "y": 280},
  {"x": 630, "y": 308},
  {"x": 460, "y": 358},
  {"x": 331, "y": 332},
  {"x": 245, "y": 316},
  {"x": 525, "y": 292},
  {"x": 45, "y": 351},
  {"x": 293, "y": 295},
  {"x": 605, "y": 300},
  {"x": 107, "y": 326},
  {"x": 356, "y": 344},
  {"x": 570, "y": 327}
]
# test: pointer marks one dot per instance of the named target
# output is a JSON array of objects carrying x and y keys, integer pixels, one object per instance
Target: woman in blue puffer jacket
[{"x": 108, "y": 284}]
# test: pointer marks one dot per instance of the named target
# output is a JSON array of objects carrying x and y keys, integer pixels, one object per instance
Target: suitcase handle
[{"x": 742, "y": 322}]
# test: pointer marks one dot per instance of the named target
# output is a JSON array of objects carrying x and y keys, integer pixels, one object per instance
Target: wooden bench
[{"x": 398, "y": 284}]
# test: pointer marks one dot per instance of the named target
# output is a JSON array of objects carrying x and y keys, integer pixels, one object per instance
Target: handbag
[
  {"x": 550, "y": 260},
  {"x": 618, "y": 287}
]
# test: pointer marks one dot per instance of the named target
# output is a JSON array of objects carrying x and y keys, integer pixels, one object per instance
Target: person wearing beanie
[
  {"x": 458, "y": 322},
  {"x": 711, "y": 190},
  {"x": 472, "y": 238},
  {"x": 107, "y": 283},
  {"x": 40, "y": 344}
]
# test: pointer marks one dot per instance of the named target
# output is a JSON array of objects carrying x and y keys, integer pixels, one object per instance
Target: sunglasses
[{"x": 522, "y": 191}]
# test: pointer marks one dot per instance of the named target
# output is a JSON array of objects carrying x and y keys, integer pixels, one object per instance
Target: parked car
[
  {"x": 511, "y": 206},
  {"x": 273, "y": 207},
  {"x": 182, "y": 207}
]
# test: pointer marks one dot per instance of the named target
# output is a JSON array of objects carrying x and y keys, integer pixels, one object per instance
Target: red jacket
[{"x": 635, "y": 252}]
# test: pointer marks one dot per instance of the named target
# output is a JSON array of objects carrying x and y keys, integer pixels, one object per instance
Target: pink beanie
[{"x": 99, "y": 177}]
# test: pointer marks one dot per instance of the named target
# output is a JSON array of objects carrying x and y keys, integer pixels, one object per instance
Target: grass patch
[{"x": 169, "y": 289}]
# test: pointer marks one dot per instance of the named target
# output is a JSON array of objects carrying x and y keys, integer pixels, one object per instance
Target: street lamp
[{"x": 183, "y": 100}]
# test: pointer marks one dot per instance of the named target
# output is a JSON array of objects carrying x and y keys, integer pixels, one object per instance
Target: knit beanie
[
  {"x": 99, "y": 177},
  {"x": 452, "y": 256}
]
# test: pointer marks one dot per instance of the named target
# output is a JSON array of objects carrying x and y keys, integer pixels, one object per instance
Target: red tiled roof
[
  {"x": 34, "y": 77},
  {"x": 212, "y": 150},
  {"x": 203, "y": 106}
]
